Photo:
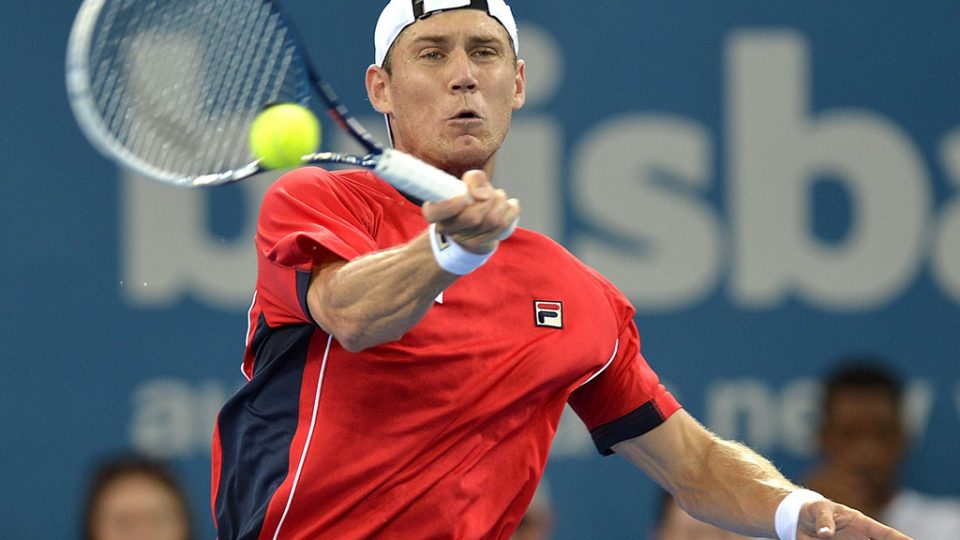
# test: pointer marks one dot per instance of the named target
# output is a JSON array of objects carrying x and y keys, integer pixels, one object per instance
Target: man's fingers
[
  {"x": 477, "y": 220},
  {"x": 478, "y": 189},
  {"x": 818, "y": 520},
  {"x": 495, "y": 214},
  {"x": 832, "y": 520},
  {"x": 824, "y": 525},
  {"x": 513, "y": 210},
  {"x": 439, "y": 211},
  {"x": 481, "y": 217},
  {"x": 850, "y": 523},
  {"x": 478, "y": 185},
  {"x": 882, "y": 532}
]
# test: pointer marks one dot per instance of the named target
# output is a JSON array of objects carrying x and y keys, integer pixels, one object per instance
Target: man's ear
[
  {"x": 520, "y": 85},
  {"x": 378, "y": 89}
]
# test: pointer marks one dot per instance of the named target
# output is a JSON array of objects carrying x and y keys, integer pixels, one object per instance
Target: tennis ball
[{"x": 282, "y": 133}]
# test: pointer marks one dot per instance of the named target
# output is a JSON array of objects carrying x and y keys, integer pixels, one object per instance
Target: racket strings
[
  {"x": 245, "y": 67},
  {"x": 178, "y": 82}
]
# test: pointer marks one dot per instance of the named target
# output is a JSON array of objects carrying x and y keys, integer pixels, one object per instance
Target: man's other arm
[{"x": 731, "y": 486}]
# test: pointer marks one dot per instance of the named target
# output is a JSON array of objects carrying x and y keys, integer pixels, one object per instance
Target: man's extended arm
[{"x": 730, "y": 485}]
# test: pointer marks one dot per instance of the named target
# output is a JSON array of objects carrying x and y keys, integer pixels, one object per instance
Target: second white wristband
[
  {"x": 788, "y": 512},
  {"x": 453, "y": 258}
]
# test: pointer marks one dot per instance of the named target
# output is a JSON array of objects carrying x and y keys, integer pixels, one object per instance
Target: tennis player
[{"x": 407, "y": 370}]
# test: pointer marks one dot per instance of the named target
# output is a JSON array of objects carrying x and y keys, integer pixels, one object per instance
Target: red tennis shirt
[{"x": 441, "y": 434}]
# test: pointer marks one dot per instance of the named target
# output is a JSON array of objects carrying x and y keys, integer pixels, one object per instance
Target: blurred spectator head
[
  {"x": 135, "y": 497},
  {"x": 862, "y": 433}
]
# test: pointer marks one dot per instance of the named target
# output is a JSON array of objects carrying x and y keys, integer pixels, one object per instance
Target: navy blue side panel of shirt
[
  {"x": 303, "y": 286},
  {"x": 633, "y": 424},
  {"x": 256, "y": 428}
]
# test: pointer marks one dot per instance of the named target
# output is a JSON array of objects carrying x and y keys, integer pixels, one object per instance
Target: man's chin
[{"x": 466, "y": 159}]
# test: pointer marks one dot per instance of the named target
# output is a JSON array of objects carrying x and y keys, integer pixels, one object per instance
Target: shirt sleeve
[
  {"x": 307, "y": 217},
  {"x": 625, "y": 400}
]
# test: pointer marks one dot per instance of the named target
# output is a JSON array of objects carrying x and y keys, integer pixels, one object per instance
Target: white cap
[{"x": 400, "y": 14}]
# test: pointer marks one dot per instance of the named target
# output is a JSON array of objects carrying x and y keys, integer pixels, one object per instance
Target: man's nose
[{"x": 463, "y": 77}]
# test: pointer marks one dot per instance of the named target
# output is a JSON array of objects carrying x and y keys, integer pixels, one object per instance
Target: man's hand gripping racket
[
  {"x": 170, "y": 89},
  {"x": 475, "y": 222}
]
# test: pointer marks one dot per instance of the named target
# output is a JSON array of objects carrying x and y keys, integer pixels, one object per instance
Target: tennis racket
[{"x": 169, "y": 89}]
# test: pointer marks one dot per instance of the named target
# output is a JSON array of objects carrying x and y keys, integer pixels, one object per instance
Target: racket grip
[
  {"x": 422, "y": 180},
  {"x": 417, "y": 178}
]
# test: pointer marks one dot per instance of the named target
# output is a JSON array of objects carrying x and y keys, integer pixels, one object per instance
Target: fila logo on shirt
[{"x": 548, "y": 313}]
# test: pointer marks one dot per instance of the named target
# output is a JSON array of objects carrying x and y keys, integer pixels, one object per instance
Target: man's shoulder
[
  {"x": 536, "y": 249},
  {"x": 313, "y": 179},
  {"x": 543, "y": 255},
  {"x": 353, "y": 189}
]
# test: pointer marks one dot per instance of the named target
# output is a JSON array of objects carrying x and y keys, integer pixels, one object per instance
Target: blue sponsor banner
[{"x": 774, "y": 184}]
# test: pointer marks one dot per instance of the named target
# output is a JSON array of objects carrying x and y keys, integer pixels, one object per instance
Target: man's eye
[{"x": 431, "y": 55}]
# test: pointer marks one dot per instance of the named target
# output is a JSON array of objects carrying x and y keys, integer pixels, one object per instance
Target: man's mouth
[{"x": 466, "y": 115}]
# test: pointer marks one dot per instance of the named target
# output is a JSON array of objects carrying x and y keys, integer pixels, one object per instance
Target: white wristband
[
  {"x": 453, "y": 258},
  {"x": 788, "y": 512}
]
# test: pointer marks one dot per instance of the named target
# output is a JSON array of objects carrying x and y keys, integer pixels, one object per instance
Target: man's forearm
[
  {"x": 737, "y": 489},
  {"x": 718, "y": 481},
  {"x": 377, "y": 298}
]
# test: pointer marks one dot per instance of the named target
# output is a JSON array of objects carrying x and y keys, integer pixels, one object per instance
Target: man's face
[
  {"x": 452, "y": 90},
  {"x": 862, "y": 437}
]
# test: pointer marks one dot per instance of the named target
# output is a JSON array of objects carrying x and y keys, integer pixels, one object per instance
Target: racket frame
[{"x": 405, "y": 172}]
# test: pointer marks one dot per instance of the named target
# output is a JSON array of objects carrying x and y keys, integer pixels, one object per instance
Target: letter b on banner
[
  {"x": 169, "y": 251},
  {"x": 780, "y": 149}
]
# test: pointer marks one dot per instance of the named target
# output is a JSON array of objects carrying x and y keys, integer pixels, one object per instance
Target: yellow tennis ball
[{"x": 282, "y": 134}]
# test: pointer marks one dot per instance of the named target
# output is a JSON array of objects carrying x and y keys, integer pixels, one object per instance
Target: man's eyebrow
[
  {"x": 438, "y": 39},
  {"x": 431, "y": 38},
  {"x": 487, "y": 39}
]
